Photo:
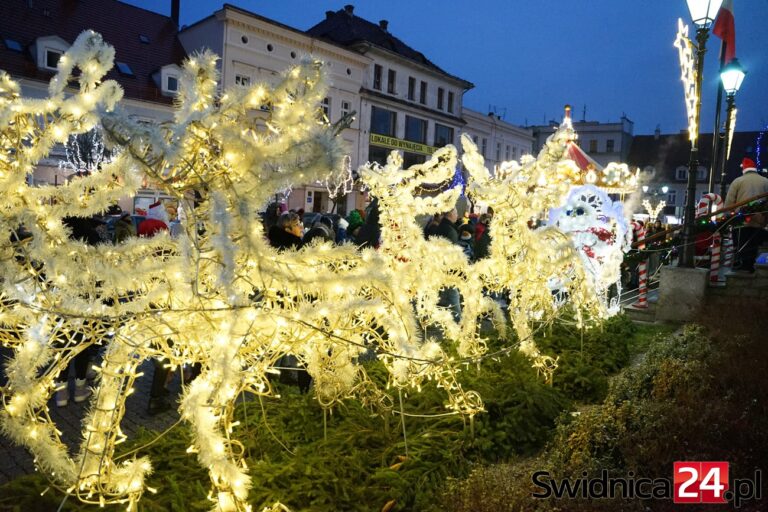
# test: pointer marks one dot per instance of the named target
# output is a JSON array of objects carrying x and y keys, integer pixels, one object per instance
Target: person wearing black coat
[{"x": 286, "y": 234}]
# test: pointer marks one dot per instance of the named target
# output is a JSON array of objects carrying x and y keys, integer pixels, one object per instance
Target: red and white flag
[{"x": 725, "y": 29}]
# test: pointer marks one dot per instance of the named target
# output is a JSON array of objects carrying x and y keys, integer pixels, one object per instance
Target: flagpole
[{"x": 716, "y": 138}]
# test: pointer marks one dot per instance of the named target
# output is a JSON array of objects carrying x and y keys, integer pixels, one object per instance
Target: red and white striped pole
[
  {"x": 708, "y": 204},
  {"x": 728, "y": 243},
  {"x": 714, "y": 262},
  {"x": 642, "y": 268}
]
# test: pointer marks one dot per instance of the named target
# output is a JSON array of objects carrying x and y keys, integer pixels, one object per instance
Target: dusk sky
[{"x": 529, "y": 58}]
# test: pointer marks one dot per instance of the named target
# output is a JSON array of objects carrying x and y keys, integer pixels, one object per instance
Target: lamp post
[
  {"x": 731, "y": 76},
  {"x": 703, "y": 13}
]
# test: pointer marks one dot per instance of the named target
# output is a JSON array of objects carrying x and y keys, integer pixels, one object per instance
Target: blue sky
[{"x": 529, "y": 58}]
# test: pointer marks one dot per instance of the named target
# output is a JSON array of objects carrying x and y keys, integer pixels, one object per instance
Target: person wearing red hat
[
  {"x": 156, "y": 221},
  {"x": 746, "y": 186}
]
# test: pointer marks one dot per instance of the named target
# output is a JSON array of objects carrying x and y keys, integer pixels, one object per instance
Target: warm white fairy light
[
  {"x": 688, "y": 76},
  {"x": 653, "y": 211},
  {"x": 731, "y": 131},
  {"x": 222, "y": 297}
]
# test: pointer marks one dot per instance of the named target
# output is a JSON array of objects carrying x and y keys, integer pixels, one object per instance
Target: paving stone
[{"x": 15, "y": 461}]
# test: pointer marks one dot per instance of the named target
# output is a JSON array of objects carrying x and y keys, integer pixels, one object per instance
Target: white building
[
  {"x": 497, "y": 140},
  {"x": 407, "y": 103},
  {"x": 254, "y": 49},
  {"x": 603, "y": 142}
]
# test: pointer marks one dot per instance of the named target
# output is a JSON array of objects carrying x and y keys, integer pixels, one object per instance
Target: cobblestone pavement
[{"x": 15, "y": 461}]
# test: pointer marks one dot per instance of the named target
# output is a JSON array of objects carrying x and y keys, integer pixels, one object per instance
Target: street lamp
[
  {"x": 703, "y": 13},
  {"x": 732, "y": 75}
]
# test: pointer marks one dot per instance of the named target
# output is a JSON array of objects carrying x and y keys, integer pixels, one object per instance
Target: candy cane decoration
[
  {"x": 714, "y": 262},
  {"x": 707, "y": 201},
  {"x": 728, "y": 243},
  {"x": 710, "y": 203},
  {"x": 642, "y": 268}
]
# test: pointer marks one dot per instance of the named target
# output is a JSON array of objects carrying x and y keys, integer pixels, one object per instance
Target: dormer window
[
  {"x": 167, "y": 79},
  {"x": 48, "y": 51},
  {"x": 124, "y": 68},
  {"x": 13, "y": 45},
  {"x": 52, "y": 58}
]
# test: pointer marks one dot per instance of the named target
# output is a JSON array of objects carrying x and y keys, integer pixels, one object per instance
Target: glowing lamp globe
[
  {"x": 732, "y": 75},
  {"x": 703, "y": 12},
  {"x": 664, "y": 189}
]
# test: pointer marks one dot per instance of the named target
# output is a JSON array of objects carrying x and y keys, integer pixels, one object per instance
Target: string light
[
  {"x": 220, "y": 296},
  {"x": 688, "y": 76}
]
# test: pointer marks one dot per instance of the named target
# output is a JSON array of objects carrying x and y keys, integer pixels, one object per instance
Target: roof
[
  {"x": 667, "y": 152},
  {"x": 120, "y": 24},
  {"x": 345, "y": 28}
]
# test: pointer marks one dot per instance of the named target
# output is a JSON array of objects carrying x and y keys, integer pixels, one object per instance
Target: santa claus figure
[{"x": 157, "y": 220}]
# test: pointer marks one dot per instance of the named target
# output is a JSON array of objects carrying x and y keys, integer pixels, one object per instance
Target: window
[
  {"x": 498, "y": 151},
  {"x": 701, "y": 173},
  {"x": 681, "y": 174},
  {"x": 423, "y": 93},
  {"x": 411, "y": 88},
  {"x": 172, "y": 84},
  {"x": 13, "y": 45},
  {"x": 378, "y": 154},
  {"x": 52, "y": 58},
  {"x": 377, "y": 77},
  {"x": 514, "y": 152},
  {"x": 415, "y": 129},
  {"x": 143, "y": 39},
  {"x": 124, "y": 68},
  {"x": 326, "y": 106},
  {"x": 484, "y": 148},
  {"x": 593, "y": 146},
  {"x": 440, "y": 95},
  {"x": 383, "y": 121},
  {"x": 410, "y": 159},
  {"x": 672, "y": 197},
  {"x": 346, "y": 108},
  {"x": 506, "y": 154},
  {"x": 450, "y": 101},
  {"x": 609, "y": 146},
  {"x": 443, "y": 135},
  {"x": 474, "y": 139},
  {"x": 242, "y": 80},
  {"x": 391, "y": 79}
]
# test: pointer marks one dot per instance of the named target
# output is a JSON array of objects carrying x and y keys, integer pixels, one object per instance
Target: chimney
[
  {"x": 349, "y": 9},
  {"x": 657, "y": 132},
  {"x": 329, "y": 14},
  {"x": 383, "y": 24},
  {"x": 175, "y": 12}
]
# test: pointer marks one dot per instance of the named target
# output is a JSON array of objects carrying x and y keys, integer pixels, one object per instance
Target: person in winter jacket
[
  {"x": 749, "y": 237},
  {"x": 286, "y": 234},
  {"x": 124, "y": 228}
]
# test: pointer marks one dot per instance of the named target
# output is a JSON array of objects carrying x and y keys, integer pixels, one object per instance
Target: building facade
[
  {"x": 407, "y": 103},
  {"x": 497, "y": 140},
  {"x": 34, "y": 35},
  {"x": 254, "y": 49},
  {"x": 603, "y": 142},
  {"x": 663, "y": 162}
]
